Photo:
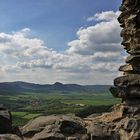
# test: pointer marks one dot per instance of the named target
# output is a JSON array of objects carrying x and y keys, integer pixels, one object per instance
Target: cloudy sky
[{"x": 69, "y": 41}]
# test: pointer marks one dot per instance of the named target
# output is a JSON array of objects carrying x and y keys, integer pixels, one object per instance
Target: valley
[{"x": 29, "y": 103}]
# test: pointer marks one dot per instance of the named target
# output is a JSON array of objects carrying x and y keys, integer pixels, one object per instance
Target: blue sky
[
  {"x": 54, "y": 21},
  {"x": 69, "y": 41}
]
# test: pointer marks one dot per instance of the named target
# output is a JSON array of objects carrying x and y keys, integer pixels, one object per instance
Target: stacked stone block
[{"x": 127, "y": 86}]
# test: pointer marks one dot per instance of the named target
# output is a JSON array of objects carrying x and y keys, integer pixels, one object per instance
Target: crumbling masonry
[{"x": 127, "y": 86}]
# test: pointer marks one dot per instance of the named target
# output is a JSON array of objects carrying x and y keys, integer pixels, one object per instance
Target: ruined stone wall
[{"x": 127, "y": 86}]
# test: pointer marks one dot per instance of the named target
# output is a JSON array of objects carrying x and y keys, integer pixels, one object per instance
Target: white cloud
[
  {"x": 102, "y": 42},
  {"x": 39, "y": 63},
  {"x": 104, "y": 16},
  {"x": 26, "y": 30},
  {"x": 102, "y": 37},
  {"x": 96, "y": 52}
]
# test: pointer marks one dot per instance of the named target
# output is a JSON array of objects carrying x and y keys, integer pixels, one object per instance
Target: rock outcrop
[
  {"x": 5, "y": 121},
  {"x": 9, "y": 137},
  {"x": 123, "y": 123},
  {"x": 56, "y": 127}
]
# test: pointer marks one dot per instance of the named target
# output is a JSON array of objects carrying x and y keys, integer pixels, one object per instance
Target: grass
[{"x": 20, "y": 118}]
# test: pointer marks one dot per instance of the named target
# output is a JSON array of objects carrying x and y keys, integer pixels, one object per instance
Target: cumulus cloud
[
  {"x": 104, "y": 36},
  {"x": 18, "y": 52},
  {"x": 96, "y": 51},
  {"x": 39, "y": 63},
  {"x": 101, "y": 41},
  {"x": 104, "y": 16}
]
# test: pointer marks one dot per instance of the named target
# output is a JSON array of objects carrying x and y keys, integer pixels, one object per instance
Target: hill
[{"x": 19, "y": 87}]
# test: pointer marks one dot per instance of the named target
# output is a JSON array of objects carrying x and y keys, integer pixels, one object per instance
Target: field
[{"x": 27, "y": 106}]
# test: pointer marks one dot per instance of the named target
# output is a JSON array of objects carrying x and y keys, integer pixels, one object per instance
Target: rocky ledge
[{"x": 120, "y": 124}]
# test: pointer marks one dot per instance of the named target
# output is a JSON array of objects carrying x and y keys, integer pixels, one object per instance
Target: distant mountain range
[{"x": 22, "y": 87}]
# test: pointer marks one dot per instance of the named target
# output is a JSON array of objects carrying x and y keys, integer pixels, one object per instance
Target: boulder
[
  {"x": 134, "y": 52},
  {"x": 9, "y": 137},
  {"x": 5, "y": 121},
  {"x": 132, "y": 124},
  {"x": 70, "y": 127},
  {"x": 56, "y": 127},
  {"x": 72, "y": 138},
  {"x": 38, "y": 124},
  {"x": 130, "y": 129},
  {"x": 133, "y": 58},
  {"x": 102, "y": 128},
  {"x": 128, "y": 80},
  {"x": 130, "y": 68},
  {"x": 129, "y": 92},
  {"x": 48, "y": 136}
]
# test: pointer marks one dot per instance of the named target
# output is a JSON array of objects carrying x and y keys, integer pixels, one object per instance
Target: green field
[{"x": 27, "y": 106}]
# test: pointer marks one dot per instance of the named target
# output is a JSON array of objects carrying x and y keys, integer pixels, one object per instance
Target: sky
[{"x": 68, "y": 41}]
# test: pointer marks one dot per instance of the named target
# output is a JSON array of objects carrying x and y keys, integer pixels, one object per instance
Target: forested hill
[{"x": 19, "y": 87}]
